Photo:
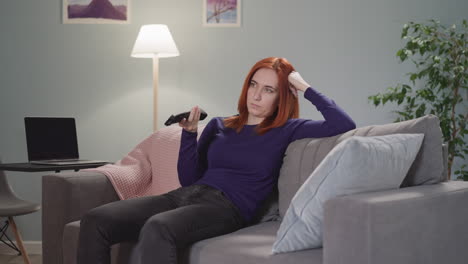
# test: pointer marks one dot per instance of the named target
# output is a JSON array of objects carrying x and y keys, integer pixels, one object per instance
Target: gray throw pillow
[{"x": 357, "y": 164}]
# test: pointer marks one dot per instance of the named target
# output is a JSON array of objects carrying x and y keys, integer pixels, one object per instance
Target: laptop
[{"x": 53, "y": 141}]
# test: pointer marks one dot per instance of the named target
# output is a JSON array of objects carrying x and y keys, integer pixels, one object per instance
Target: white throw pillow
[{"x": 358, "y": 164}]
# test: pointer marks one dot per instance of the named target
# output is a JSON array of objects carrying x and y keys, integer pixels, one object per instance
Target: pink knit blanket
[{"x": 150, "y": 168}]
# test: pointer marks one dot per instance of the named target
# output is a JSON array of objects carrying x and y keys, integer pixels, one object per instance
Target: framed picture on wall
[
  {"x": 96, "y": 11},
  {"x": 221, "y": 13}
]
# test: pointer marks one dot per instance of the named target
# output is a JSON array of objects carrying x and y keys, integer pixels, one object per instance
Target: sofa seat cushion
[{"x": 250, "y": 245}]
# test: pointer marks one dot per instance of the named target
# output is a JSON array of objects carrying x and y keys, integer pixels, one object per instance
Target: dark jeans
[{"x": 161, "y": 224}]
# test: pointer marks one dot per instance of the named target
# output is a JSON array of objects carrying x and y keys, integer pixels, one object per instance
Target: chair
[{"x": 10, "y": 206}]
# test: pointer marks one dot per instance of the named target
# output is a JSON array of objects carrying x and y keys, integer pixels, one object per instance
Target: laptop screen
[{"x": 51, "y": 138}]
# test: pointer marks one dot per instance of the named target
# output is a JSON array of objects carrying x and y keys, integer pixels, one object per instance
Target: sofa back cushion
[{"x": 304, "y": 155}]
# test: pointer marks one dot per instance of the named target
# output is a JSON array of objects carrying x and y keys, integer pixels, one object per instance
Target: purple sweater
[{"x": 246, "y": 166}]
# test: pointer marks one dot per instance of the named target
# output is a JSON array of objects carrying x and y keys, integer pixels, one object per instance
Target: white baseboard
[{"x": 32, "y": 247}]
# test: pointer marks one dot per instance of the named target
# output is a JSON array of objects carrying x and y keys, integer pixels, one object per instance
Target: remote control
[{"x": 177, "y": 118}]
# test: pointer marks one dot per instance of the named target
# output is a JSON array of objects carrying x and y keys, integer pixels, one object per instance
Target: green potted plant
[{"x": 439, "y": 83}]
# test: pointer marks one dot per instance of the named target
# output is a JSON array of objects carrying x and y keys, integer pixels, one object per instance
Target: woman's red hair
[{"x": 288, "y": 104}]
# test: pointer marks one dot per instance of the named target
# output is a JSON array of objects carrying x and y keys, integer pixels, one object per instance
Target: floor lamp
[{"x": 154, "y": 41}]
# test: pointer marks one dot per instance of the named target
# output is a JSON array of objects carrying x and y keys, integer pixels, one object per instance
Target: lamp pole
[{"x": 155, "y": 91}]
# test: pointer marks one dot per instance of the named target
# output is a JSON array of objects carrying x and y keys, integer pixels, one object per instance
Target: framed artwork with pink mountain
[
  {"x": 221, "y": 13},
  {"x": 96, "y": 11}
]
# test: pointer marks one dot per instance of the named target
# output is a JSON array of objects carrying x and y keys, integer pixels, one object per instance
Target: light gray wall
[{"x": 345, "y": 49}]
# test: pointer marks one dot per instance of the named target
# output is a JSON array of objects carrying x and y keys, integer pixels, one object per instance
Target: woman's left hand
[{"x": 297, "y": 83}]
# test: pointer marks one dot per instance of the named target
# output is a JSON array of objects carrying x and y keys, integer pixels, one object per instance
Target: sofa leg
[{"x": 19, "y": 241}]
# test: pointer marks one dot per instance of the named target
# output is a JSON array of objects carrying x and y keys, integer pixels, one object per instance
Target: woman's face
[{"x": 262, "y": 96}]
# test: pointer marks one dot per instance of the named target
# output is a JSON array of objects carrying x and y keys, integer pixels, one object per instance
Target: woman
[{"x": 224, "y": 176}]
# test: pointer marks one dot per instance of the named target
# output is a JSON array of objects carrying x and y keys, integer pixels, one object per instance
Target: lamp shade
[{"x": 154, "y": 40}]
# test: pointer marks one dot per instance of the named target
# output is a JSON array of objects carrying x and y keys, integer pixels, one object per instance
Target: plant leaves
[{"x": 439, "y": 54}]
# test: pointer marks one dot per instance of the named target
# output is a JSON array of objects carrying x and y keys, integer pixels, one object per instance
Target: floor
[{"x": 13, "y": 259}]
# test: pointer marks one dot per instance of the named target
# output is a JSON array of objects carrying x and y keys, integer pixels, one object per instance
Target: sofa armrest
[
  {"x": 65, "y": 198},
  {"x": 423, "y": 224}
]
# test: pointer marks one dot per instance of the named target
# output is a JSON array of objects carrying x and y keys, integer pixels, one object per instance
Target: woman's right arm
[
  {"x": 192, "y": 162},
  {"x": 336, "y": 121}
]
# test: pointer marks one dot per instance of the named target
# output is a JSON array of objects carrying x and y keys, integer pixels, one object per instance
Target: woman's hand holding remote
[{"x": 191, "y": 124}]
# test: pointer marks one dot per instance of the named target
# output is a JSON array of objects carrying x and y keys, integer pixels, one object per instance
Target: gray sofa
[{"x": 424, "y": 221}]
